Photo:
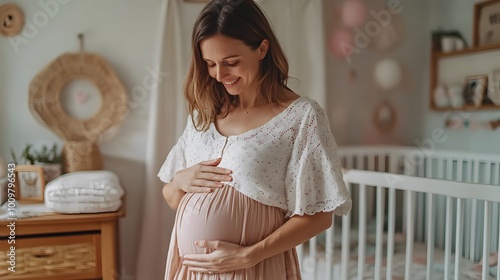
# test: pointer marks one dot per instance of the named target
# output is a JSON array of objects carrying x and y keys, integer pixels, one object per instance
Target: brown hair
[{"x": 243, "y": 20}]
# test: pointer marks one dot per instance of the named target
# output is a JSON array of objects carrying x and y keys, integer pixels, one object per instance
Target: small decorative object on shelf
[
  {"x": 440, "y": 96},
  {"x": 447, "y": 41},
  {"x": 455, "y": 94},
  {"x": 494, "y": 86},
  {"x": 457, "y": 122},
  {"x": 486, "y": 23},
  {"x": 474, "y": 90},
  {"x": 30, "y": 183},
  {"x": 48, "y": 159}
]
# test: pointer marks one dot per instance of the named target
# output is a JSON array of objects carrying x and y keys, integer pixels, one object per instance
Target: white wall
[{"x": 127, "y": 34}]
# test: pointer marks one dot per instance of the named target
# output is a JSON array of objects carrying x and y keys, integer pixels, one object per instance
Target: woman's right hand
[{"x": 202, "y": 177}]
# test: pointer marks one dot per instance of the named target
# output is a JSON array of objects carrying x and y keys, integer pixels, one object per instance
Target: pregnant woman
[{"x": 256, "y": 171}]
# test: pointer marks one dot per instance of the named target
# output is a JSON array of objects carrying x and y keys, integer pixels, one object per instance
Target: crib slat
[
  {"x": 430, "y": 235},
  {"x": 381, "y": 162},
  {"x": 447, "y": 247},
  {"x": 440, "y": 207},
  {"x": 349, "y": 162},
  {"x": 390, "y": 232},
  {"x": 487, "y": 176},
  {"x": 313, "y": 257},
  {"x": 458, "y": 238},
  {"x": 329, "y": 249},
  {"x": 409, "y": 233},
  {"x": 486, "y": 240},
  {"x": 362, "y": 231},
  {"x": 496, "y": 178},
  {"x": 475, "y": 179},
  {"x": 494, "y": 224},
  {"x": 379, "y": 232},
  {"x": 462, "y": 175},
  {"x": 371, "y": 162},
  {"x": 393, "y": 162},
  {"x": 421, "y": 204},
  {"x": 473, "y": 215},
  {"x": 300, "y": 254},
  {"x": 360, "y": 162},
  {"x": 498, "y": 256},
  {"x": 346, "y": 242}
]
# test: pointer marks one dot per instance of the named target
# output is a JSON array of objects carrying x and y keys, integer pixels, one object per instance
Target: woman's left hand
[{"x": 224, "y": 257}]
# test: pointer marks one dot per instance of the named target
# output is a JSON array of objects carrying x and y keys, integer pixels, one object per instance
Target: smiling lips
[{"x": 231, "y": 82}]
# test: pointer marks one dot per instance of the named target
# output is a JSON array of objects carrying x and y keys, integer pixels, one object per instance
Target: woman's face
[{"x": 233, "y": 63}]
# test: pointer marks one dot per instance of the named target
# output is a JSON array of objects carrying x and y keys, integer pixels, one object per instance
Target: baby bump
[{"x": 226, "y": 215}]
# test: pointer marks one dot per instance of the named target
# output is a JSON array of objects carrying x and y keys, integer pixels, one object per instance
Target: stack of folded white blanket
[{"x": 84, "y": 192}]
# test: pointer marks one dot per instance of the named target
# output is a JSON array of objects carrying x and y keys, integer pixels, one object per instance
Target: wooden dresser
[{"x": 62, "y": 247}]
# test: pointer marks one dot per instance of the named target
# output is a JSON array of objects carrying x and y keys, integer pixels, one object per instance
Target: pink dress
[{"x": 289, "y": 166}]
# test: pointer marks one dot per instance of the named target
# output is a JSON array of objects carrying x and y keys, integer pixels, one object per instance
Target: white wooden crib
[{"x": 417, "y": 214}]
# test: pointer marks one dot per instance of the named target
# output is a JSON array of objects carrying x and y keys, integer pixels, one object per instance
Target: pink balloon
[
  {"x": 341, "y": 43},
  {"x": 354, "y": 13}
]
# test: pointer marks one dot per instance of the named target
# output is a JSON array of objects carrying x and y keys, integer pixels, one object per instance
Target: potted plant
[{"x": 49, "y": 159}]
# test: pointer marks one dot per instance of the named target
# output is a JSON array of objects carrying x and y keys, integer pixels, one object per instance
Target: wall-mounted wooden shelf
[{"x": 437, "y": 57}]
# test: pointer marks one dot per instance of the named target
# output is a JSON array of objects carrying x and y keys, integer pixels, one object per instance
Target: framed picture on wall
[
  {"x": 30, "y": 184},
  {"x": 494, "y": 86},
  {"x": 475, "y": 89},
  {"x": 486, "y": 23}
]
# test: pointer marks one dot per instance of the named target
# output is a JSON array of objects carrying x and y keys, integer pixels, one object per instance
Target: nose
[{"x": 221, "y": 73}]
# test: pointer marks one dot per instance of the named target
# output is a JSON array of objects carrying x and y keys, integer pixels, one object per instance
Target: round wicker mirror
[{"x": 81, "y": 135}]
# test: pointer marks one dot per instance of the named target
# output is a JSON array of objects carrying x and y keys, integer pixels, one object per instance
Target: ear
[{"x": 263, "y": 48}]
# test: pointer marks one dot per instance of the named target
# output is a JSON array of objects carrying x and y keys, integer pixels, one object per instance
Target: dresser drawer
[{"x": 54, "y": 257}]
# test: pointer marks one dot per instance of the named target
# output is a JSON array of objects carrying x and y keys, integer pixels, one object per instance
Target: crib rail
[
  {"x": 429, "y": 162},
  {"x": 393, "y": 249}
]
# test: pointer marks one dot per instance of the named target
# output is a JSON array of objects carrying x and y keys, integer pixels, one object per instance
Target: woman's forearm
[
  {"x": 294, "y": 232},
  {"x": 172, "y": 195}
]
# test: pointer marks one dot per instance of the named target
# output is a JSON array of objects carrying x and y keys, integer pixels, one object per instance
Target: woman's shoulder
[{"x": 307, "y": 106}]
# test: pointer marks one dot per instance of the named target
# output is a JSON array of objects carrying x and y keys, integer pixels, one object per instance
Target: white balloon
[{"x": 388, "y": 73}]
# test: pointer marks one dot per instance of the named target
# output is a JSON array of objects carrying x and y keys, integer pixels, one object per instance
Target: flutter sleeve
[
  {"x": 314, "y": 180},
  {"x": 176, "y": 159}
]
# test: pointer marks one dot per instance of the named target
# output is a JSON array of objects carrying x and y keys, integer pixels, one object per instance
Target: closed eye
[{"x": 232, "y": 64}]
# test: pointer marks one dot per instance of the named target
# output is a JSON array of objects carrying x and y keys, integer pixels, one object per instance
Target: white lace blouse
[{"x": 290, "y": 162}]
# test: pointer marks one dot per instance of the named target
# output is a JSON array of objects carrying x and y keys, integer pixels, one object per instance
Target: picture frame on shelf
[
  {"x": 30, "y": 183},
  {"x": 475, "y": 90},
  {"x": 494, "y": 87},
  {"x": 486, "y": 29}
]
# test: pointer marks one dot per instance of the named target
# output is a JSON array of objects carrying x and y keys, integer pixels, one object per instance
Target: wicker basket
[
  {"x": 50, "y": 260},
  {"x": 81, "y": 156}
]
